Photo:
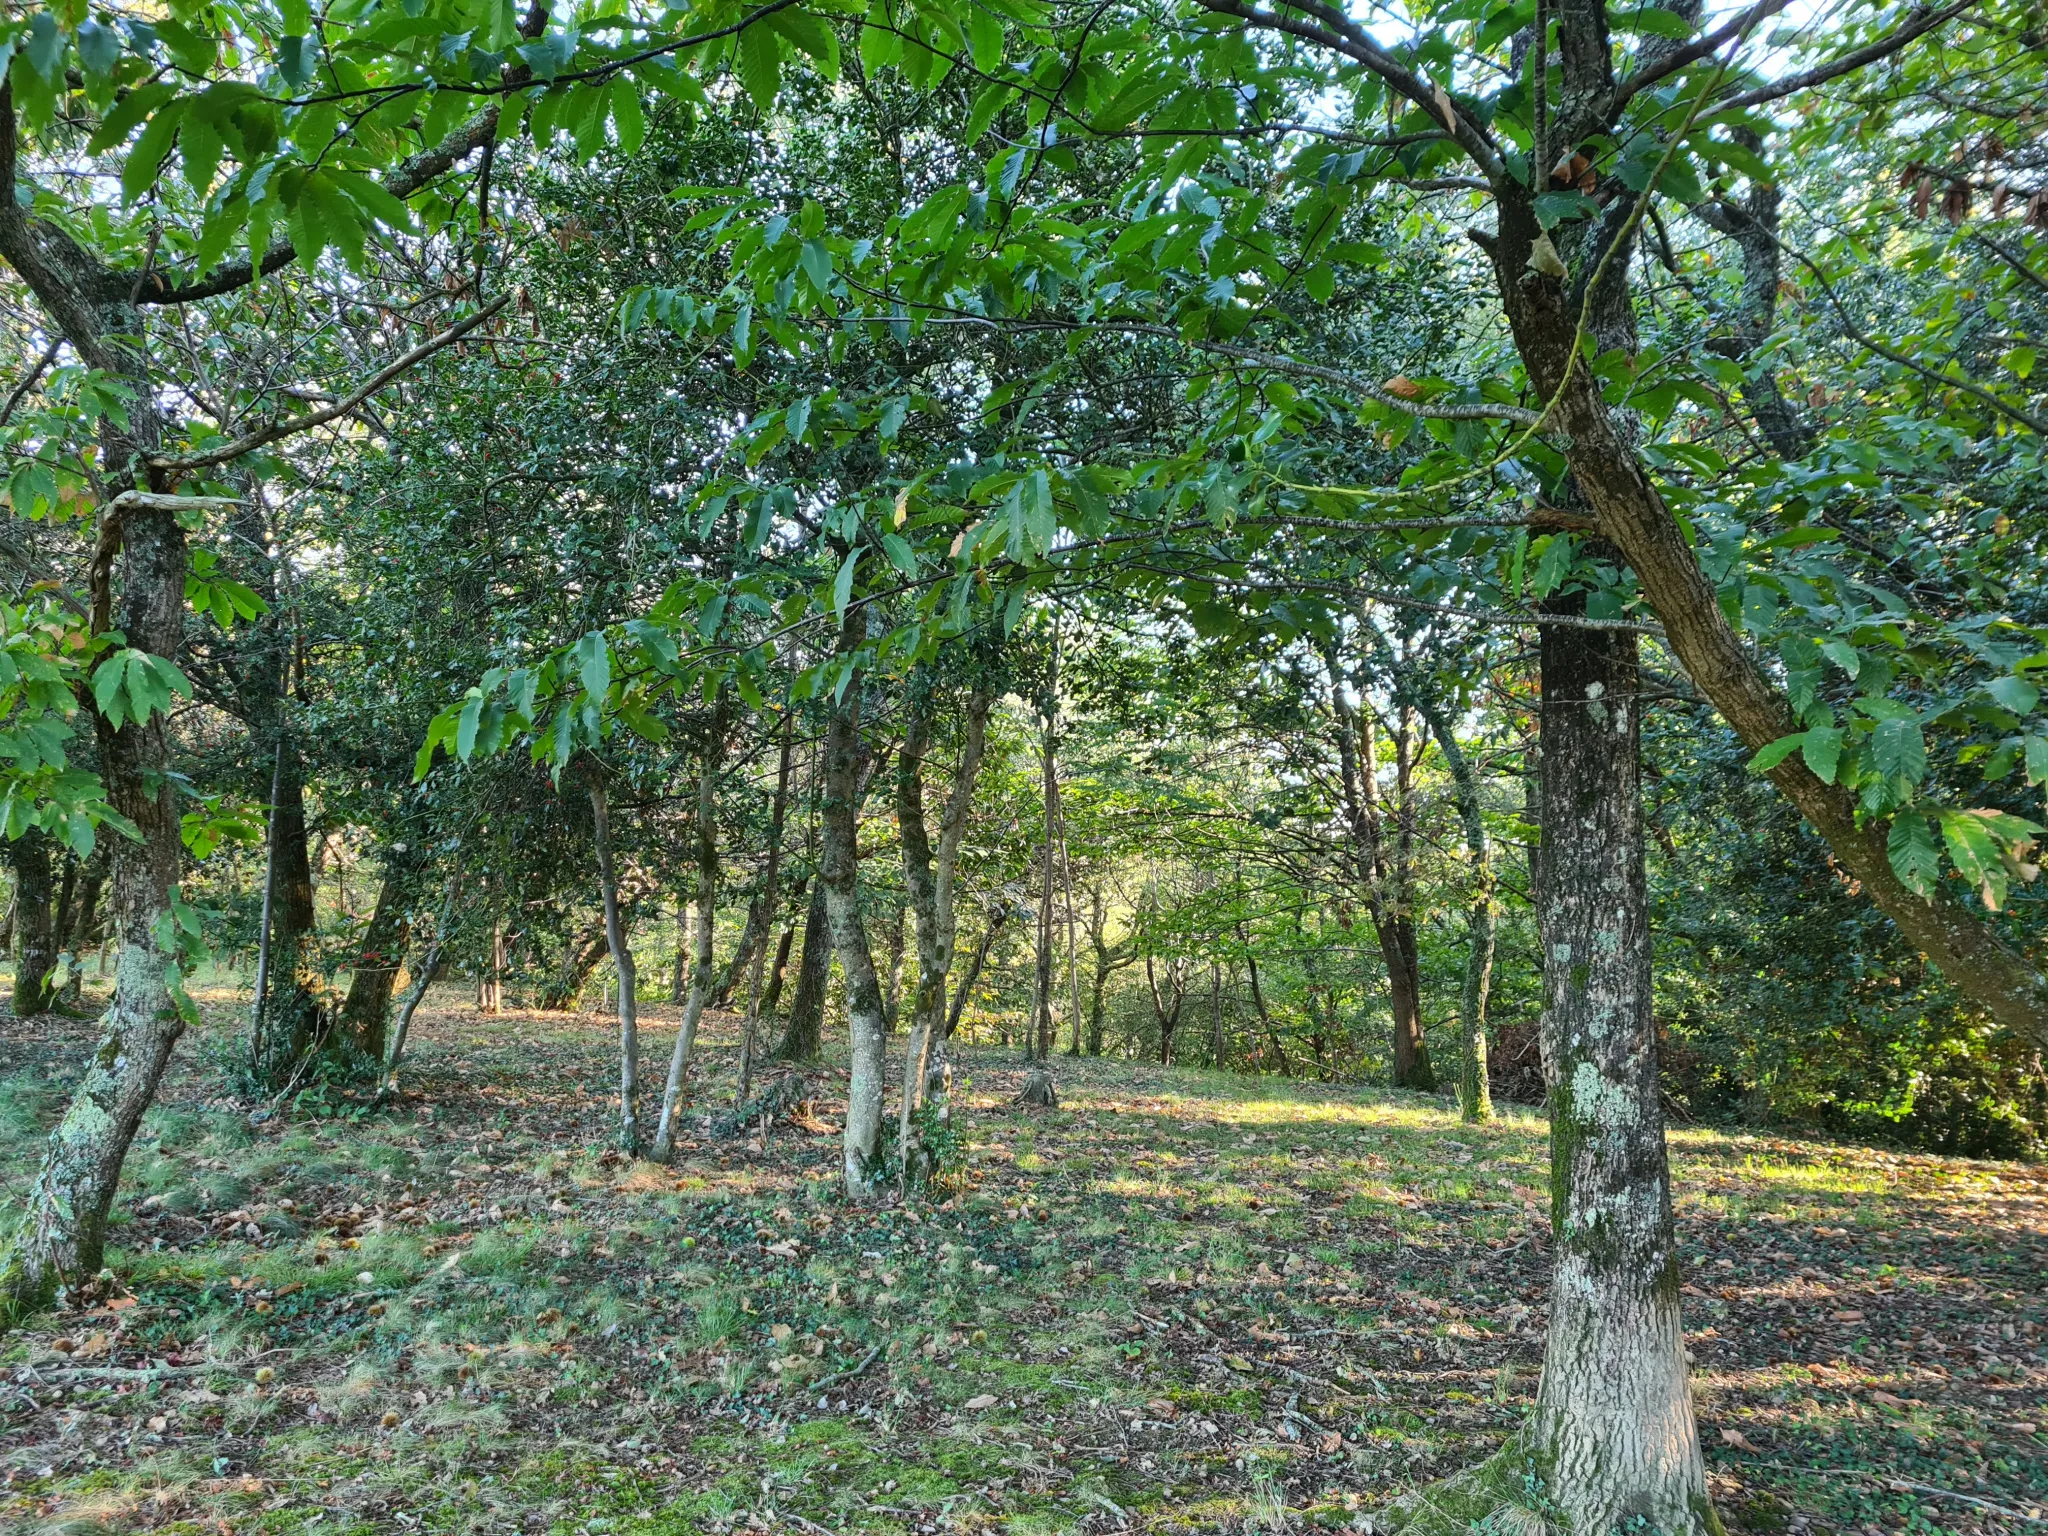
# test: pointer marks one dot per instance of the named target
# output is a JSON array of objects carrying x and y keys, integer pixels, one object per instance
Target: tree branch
[
  {"x": 1922, "y": 22},
  {"x": 264, "y": 436},
  {"x": 1699, "y": 48}
]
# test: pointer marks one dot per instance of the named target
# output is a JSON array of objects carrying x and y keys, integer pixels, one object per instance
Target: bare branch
[
  {"x": 1921, "y": 22},
  {"x": 264, "y": 436}
]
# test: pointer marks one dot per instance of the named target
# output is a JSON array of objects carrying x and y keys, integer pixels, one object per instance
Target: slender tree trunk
[
  {"x": 839, "y": 877},
  {"x": 1614, "y": 1415},
  {"x": 701, "y": 959},
  {"x": 429, "y": 968},
  {"x": 1169, "y": 1018},
  {"x": 35, "y": 925},
  {"x": 766, "y": 899},
  {"x": 622, "y": 957},
  {"x": 1042, "y": 989},
  {"x": 1475, "y": 1098},
  {"x": 929, "y": 881},
  {"x": 971, "y": 977},
  {"x": 778, "y": 968},
  {"x": 803, "y": 1033},
  {"x": 91, "y": 879}
]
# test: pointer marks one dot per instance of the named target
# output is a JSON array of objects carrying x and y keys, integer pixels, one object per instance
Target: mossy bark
[
  {"x": 803, "y": 1032},
  {"x": 1614, "y": 1418}
]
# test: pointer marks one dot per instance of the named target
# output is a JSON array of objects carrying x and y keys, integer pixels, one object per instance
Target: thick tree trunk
[
  {"x": 366, "y": 1012},
  {"x": 622, "y": 957},
  {"x": 1614, "y": 1418},
  {"x": 839, "y": 878},
  {"x": 702, "y": 937},
  {"x": 35, "y": 923},
  {"x": 564, "y": 990},
  {"x": 803, "y": 1032}
]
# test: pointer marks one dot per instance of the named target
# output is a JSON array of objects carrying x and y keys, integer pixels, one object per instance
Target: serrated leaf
[
  {"x": 1774, "y": 753},
  {"x": 594, "y": 664},
  {"x": 1900, "y": 751},
  {"x": 759, "y": 65},
  {"x": 2015, "y": 693},
  {"x": 1822, "y": 749},
  {"x": 842, "y": 584},
  {"x": 1910, "y": 848}
]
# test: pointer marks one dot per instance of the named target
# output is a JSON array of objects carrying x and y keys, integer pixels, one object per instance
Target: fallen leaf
[
  {"x": 980, "y": 1401},
  {"x": 1848, "y": 1317},
  {"x": 1887, "y": 1399},
  {"x": 1735, "y": 1438}
]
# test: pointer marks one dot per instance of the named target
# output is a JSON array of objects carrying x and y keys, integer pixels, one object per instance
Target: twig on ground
[{"x": 847, "y": 1375}]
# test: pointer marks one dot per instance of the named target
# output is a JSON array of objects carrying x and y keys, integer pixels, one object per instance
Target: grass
[{"x": 1180, "y": 1302}]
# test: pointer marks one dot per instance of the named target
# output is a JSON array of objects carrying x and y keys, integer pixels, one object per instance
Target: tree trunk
[
  {"x": 429, "y": 968},
  {"x": 92, "y": 877},
  {"x": 972, "y": 975},
  {"x": 839, "y": 878},
  {"x": 778, "y": 968},
  {"x": 803, "y": 1033},
  {"x": 622, "y": 957},
  {"x": 35, "y": 925},
  {"x": 1382, "y": 878},
  {"x": 366, "y": 1011},
  {"x": 1614, "y": 1416},
  {"x": 1169, "y": 1018},
  {"x": 701, "y": 958},
  {"x": 765, "y": 903},
  {"x": 1475, "y": 1098},
  {"x": 1633, "y": 516},
  {"x": 564, "y": 991},
  {"x": 290, "y": 1026},
  {"x": 929, "y": 880}
]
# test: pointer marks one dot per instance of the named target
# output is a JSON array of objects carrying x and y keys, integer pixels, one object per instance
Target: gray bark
[
  {"x": 702, "y": 936},
  {"x": 1614, "y": 1419},
  {"x": 929, "y": 876},
  {"x": 803, "y": 1032},
  {"x": 839, "y": 876},
  {"x": 768, "y": 896}
]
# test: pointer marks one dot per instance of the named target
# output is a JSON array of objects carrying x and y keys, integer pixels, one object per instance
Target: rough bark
[
  {"x": 35, "y": 923},
  {"x": 839, "y": 878},
  {"x": 703, "y": 933},
  {"x": 929, "y": 875},
  {"x": 1614, "y": 1418},
  {"x": 63, "y": 1227},
  {"x": 622, "y": 957},
  {"x": 366, "y": 1011},
  {"x": 803, "y": 1032},
  {"x": 1168, "y": 1017},
  {"x": 564, "y": 990},
  {"x": 1631, "y": 515}
]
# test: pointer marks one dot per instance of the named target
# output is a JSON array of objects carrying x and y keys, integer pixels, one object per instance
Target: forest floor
[{"x": 1179, "y": 1302}]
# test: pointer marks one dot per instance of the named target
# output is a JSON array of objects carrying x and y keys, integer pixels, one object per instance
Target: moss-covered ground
[{"x": 1179, "y": 1302}]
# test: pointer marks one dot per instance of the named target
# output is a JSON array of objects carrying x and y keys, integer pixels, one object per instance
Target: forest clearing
[
  {"x": 1048, "y": 766},
  {"x": 1181, "y": 1301}
]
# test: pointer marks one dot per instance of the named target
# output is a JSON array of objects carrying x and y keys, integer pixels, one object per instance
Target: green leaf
[
  {"x": 295, "y": 60},
  {"x": 1900, "y": 751},
  {"x": 2037, "y": 759},
  {"x": 2015, "y": 693},
  {"x": 1910, "y": 848},
  {"x": 466, "y": 724},
  {"x": 985, "y": 38},
  {"x": 1843, "y": 655},
  {"x": 759, "y": 64},
  {"x": 99, "y": 50},
  {"x": 129, "y": 111},
  {"x": 816, "y": 262},
  {"x": 1653, "y": 19},
  {"x": 1974, "y": 853},
  {"x": 627, "y": 117},
  {"x": 1774, "y": 753},
  {"x": 842, "y": 584},
  {"x": 1822, "y": 749},
  {"x": 139, "y": 173},
  {"x": 594, "y": 664}
]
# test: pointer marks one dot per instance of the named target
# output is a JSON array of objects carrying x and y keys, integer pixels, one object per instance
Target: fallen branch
[
  {"x": 848, "y": 1374},
  {"x": 786, "y": 1091}
]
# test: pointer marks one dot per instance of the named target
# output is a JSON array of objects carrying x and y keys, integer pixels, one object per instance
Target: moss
[{"x": 1508, "y": 1494}]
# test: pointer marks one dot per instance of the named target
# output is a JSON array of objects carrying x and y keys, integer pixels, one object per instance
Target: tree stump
[{"x": 1038, "y": 1091}]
